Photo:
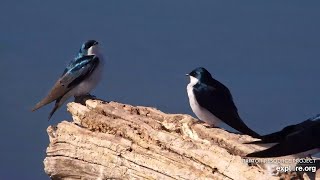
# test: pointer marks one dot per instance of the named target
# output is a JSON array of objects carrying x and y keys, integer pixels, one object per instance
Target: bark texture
[{"x": 120, "y": 141}]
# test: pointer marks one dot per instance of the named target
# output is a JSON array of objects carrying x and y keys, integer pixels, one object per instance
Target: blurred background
[{"x": 267, "y": 53}]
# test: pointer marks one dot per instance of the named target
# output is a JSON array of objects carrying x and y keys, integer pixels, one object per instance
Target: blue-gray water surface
[{"x": 266, "y": 52}]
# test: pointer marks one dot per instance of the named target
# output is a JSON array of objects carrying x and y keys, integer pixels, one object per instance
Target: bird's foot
[
  {"x": 91, "y": 96},
  {"x": 209, "y": 125},
  {"x": 78, "y": 99},
  {"x": 205, "y": 124},
  {"x": 83, "y": 98}
]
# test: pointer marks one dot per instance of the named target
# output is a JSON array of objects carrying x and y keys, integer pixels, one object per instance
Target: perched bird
[
  {"x": 80, "y": 76},
  {"x": 299, "y": 140},
  {"x": 212, "y": 102}
]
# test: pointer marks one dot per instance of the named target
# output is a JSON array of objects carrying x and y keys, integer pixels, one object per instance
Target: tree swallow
[
  {"x": 300, "y": 140},
  {"x": 212, "y": 102},
  {"x": 80, "y": 76}
]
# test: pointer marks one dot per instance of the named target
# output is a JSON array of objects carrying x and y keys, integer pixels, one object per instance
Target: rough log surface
[{"x": 120, "y": 141}]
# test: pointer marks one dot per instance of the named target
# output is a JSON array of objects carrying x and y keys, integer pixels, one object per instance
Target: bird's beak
[
  {"x": 95, "y": 43},
  {"x": 187, "y": 74}
]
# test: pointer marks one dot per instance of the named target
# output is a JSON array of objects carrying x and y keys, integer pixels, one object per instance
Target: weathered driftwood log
[{"x": 119, "y": 141}]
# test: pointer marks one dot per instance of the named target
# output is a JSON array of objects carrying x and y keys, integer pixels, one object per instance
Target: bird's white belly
[
  {"x": 89, "y": 83},
  {"x": 201, "y": 113}
]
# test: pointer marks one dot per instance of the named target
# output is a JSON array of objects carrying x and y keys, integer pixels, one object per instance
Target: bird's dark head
[
  {"x": 89, "y": 47},
  {"x": 201, "y": 74}
]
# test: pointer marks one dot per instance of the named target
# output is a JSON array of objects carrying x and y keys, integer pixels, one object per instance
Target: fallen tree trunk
[{"x": 119, "y": 141}]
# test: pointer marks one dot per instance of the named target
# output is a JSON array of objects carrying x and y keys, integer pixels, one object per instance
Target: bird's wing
[
  {"x": 282, "y": 134},
  {"x": 305, "y": 140},
  {"x": 220, "y": 103},
  {"x": 71, "y": 78},
  {"x": 72, "y": 64}
]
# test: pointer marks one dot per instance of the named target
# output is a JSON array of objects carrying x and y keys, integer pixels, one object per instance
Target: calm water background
[{"x": 267, "y": 53}]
